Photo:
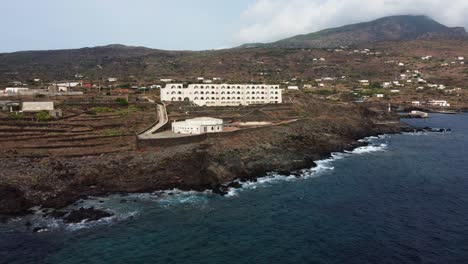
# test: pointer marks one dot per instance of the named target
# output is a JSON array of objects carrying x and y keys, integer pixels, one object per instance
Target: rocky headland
[{"x": 325, "y": 127}]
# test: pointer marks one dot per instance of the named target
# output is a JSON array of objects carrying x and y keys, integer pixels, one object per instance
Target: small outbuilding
[
  {"x": 37, "y": 106},
  {"x": 200, "y": 125}
]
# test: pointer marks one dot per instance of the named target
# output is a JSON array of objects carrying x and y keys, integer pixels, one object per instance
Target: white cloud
[{"x": 270, "y": 20}]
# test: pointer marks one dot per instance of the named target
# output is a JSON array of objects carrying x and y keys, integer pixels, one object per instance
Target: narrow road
[{"x": 162, "y": 120}]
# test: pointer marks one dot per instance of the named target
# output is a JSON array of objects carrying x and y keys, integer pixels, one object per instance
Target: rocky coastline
[{"x": 210, "y": 165}]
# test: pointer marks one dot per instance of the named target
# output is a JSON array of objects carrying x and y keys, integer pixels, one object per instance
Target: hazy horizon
[{"x": 184, "y": 25}]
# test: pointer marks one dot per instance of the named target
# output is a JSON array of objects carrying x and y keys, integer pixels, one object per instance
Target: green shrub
[
  {"x": 39, "y": 96},
  {"x": 128, "y": 111},
  {"x": 122, "y": 101},
  {"x": 113, "y": 132},
  {"x": 42, "y": 116},
  {"x": 95, "y": 110},
  {"x": 15, "y": 115}
]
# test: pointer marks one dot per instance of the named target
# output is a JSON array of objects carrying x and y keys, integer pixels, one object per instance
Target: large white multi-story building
[{"x": 223, "y": 94}]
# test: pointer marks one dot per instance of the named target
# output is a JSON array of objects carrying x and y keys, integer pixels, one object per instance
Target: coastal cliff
[{"x": 55, "y": 182}]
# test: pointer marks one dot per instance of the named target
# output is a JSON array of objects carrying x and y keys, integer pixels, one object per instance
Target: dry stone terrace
[{"x": 88, "y": 130}]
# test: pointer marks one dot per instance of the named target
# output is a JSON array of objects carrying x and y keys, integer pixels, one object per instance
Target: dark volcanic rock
[
  {"x": 56, "y": 214},
  {"x": 235, "y": 185},
  {"x": 86, "y": 214},
  {"x": 12, "y": 201}
]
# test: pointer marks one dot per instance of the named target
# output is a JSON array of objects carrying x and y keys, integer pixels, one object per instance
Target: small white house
[
  {"x": 293, "y": 87},
  {"x": 166, "y": 80},
  {"x": 37, "y": 106},
  {"x": 386, "y": 84},
  {"x": 394, "y": 91},
  {"x": 62, "y": 89},
  {"x": 69, "y": 84},
  {"x": 364, "y": 82},
  {"x": 112, "y": 79},
  {"x": 440, "y": 103},
  {"x": 379, "y": 95},
  {"x": 199, "y": 125},
  {"x": 14, "y": 90},
  {"x": 416, "y": 103}
]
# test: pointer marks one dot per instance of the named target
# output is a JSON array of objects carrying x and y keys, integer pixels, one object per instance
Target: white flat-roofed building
[
  {"x": 37, "y": 106},
  {"x": 14, "y": 90},
  {"x": 69, "y": 84},
  {"x": 199, "y": 125},
  {"x": 222, "y": 94},
  {"x": 441, "y": 103}
]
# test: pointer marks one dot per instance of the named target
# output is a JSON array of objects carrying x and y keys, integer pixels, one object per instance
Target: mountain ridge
[{"x": 391, "y": 28}]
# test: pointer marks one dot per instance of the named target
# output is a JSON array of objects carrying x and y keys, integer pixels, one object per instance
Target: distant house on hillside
[
  {"x": 69, "y": 84},
  {"x": 14, "y": 90},
  {"x": 37, "y": 106},
  {"x": 440, "y": 103},
  {"x": 364, "y": 82}
]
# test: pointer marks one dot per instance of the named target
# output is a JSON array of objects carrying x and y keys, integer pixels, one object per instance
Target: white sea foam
[
  {"x": 368, "y": 149},
  {"x": 176, "y": 197}
]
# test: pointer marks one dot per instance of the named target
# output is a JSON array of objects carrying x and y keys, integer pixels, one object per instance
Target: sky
[{"x": 194, "y": 24}]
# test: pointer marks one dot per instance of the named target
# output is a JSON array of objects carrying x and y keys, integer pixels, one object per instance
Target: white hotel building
[{"x": 223, "y": 94}]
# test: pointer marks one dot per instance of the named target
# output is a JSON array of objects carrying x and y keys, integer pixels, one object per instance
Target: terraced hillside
[{"x": 84, "y": 134}]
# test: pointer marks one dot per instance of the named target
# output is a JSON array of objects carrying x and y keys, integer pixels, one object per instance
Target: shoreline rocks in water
[{"x": 86, "y": 215}]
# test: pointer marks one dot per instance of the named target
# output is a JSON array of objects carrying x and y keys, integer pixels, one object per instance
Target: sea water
[{"x": 403, "y": 199}]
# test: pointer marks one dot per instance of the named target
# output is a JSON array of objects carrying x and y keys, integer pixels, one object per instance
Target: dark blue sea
[{"x": 404, "y": 199}]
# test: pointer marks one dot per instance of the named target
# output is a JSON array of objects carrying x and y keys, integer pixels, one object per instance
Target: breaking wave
[
  {"x": 322, "y": 167},
  {"x": 124, "y": 207}
]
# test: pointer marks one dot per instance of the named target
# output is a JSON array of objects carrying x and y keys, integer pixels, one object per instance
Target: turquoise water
[{"x": 402, "y": 200}]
